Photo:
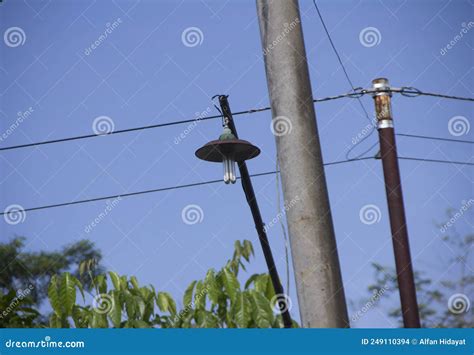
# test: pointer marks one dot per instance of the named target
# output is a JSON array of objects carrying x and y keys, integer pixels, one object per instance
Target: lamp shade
[{"x": 235, "y": 149}]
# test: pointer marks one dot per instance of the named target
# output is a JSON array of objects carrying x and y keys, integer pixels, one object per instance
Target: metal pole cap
[{"x": 383, "y": 85}]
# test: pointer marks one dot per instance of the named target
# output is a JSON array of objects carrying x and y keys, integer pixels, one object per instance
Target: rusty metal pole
[{"x": 396, "y": 209}]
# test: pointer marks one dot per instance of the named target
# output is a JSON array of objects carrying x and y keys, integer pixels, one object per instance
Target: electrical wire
[
  {"x": 359, "y": 93},
  {"x": 433, "y": 138},
  {"x": 177, "y": 187},
  {"x": 282, "y": 225},
  {"x": 353, "y": 94},
  {"x": 438, "y": 161}
]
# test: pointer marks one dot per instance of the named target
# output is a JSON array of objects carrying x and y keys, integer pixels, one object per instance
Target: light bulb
[{"x": 229, "y": 170}]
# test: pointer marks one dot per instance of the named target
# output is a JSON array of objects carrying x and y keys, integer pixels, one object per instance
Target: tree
[
  {"x": 442, "y": 303},
  {"x": 20, "y": 269},
  {"x": 216, "y": 301}
]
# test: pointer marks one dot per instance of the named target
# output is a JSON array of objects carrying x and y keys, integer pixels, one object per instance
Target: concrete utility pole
[
  {"x": 396, "y": 209},
  {"x": 313, "y": 245}
]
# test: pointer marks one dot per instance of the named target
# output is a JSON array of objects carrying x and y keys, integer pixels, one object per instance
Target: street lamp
[{"x": 228, "y": 150}]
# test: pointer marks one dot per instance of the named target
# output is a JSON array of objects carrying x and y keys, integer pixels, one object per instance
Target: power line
[
  {"x": 178, "y": 187},
  {"x": 133, "y": 129},
  {"x": 434, "y": 138},
  {"x": 438, "y": 161},
  {"x": 356, "y": 95}
]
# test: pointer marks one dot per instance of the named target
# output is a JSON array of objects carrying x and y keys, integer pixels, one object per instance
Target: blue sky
[{"x": 144, "y": 73}]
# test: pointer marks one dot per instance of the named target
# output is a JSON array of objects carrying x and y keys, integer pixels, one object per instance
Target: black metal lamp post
[{"x": 229, "y": 149}]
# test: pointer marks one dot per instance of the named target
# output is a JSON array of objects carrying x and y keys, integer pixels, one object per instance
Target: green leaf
[
  {"x": 54, "y": 321},
  {"x": 115, "y": 280},
  {"x": 231, "y": 284},
  {"x": 166, "y": 303},
  {"x": 115, "y": 313},
  {"x": 209, "y": 320},
  {"x": 200, "y": 296},
  {"x": 134, "y": 282},
  {"x": 130, "y": 305},
  {"x": 53, "y": 296},
  {"x": 101, "y": 283},
  {"x": 262, "y": 312},
  {"x": 251, "y": 280},
  {"x": 188, "y": 294},
  {"x": 247, "y": 250},
  {"x": 212, "y": 287},
  {"x": 80, "y": 316},
  {"x": 241, "y": 309},
  {"x": 99, "y": 320},
  {"x": 78, "y": 284},
  {"x": 67, "y": 293}
]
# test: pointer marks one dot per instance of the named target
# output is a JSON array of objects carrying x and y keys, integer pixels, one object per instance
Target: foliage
[
  {"x": 433, "y": 295},
  {"x": 20, "y": 269},
  {"x": 16, "y": 310},
  {"x": 216, "y": 301}
]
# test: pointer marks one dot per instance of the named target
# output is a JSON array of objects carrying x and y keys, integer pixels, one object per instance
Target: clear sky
[{"x": 67, "y": 73}]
